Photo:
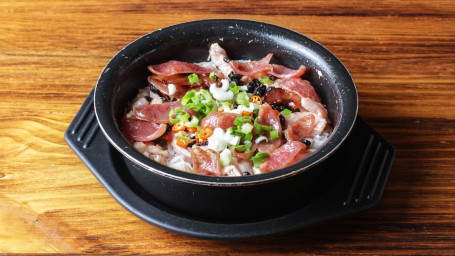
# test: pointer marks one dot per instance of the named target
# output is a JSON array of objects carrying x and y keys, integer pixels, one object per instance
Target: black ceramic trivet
[{"x": 358, "y": 174}]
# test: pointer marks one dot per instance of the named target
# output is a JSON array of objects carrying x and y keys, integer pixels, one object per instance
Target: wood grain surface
[{"x": 401, "y": 55}]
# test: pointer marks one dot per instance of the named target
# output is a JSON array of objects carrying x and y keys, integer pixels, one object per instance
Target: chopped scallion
[
  {"x": 200, "y": 101},
  {"x": 178, "y": 114},
  {"x": 183, "y": 135},
  {"x": 248, "y": 137},
  {"x": 193, "y": 78},
  {"x": 233, "y": 87},
  {"x": 193, "y": 122},
  {"x": 260, "y": 129},
  {"x": 247, "y": 128},
  {"x": 260, "y": 139},
  {"x": 286, "y": 112},
  {"x": 212, "y": 76},
  {"x": 273, "y": 134},
  {"x": 246, "y": 148},
  {"x": 259, "y": 158},
  {"x": 265, "y": 80},
  {"x": 243, "y": 99},
  {"x": 240, "y": 120},
  {"x": 225, "y": 157}
]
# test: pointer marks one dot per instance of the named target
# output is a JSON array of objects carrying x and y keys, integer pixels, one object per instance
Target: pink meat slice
[
  {"x": 280, "y": 96},
  {"x": 177, "y": 67},
  {"x": 268, "y": 116},
  {"x": 163, "y": 87},
  {"x": 284, "y": 72},
  {"x": 314, "y": 107},
  {"x": 205, "y": 161},
  {"x": 270, "y": 146},
  {"x": 243, "y": 155},
  {"x": 300, "y": 87},
  {"x": 286, "y": 155},
  {"x": 159, "y": 113},
  {"x": 222, "y": 120},
  {"x": 182, "y": 79},
  {"x": 298, "y": 91},
  {"x": 252, "y": 68},
  {"x": 172, "y": 79},
  {"x": 300, "y": 129},
  {"x": 219, "y": 57},
  {"x": 140, "y": 130}
]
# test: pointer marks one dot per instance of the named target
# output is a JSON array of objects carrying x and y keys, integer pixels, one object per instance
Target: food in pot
[{"x": 226, "y": 117}]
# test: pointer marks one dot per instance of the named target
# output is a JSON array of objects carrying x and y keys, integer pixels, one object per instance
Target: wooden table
[{"x": 401, "y": 55}]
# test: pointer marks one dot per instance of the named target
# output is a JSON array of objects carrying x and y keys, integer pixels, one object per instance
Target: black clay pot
[{"x": 240, "y": 198}]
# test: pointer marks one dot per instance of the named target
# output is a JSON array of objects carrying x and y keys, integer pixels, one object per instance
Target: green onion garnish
[
  {"x": 212, "y": 76},
  {"x": 243, "y": 148},
  {"x": 273, "y": 134},
  {"x": 193, "y": 122},
  {"x": 247, "y": 128},
  {"x": 243, "y": 99},
  {"x": 225, "y": 157},
  {"x": 188, "y": 97},
  {"x": 183, "y": 135},
  {"x": 260, "y": 129},
  {"x": 233, "y": 87},
  {"x": 248, "y": 137},
  {"x": 240, "y": 120},
  {"x": 259, "y": 158},
  {"x": 193, "y": 78},
  {"x": 200, "y": 101},
  {"x": 286, "y": 112},
  {"x": 265, "y": 80},
  {"x": 178, "y": 114}
]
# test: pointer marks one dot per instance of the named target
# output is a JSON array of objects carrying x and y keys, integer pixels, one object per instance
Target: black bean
[
  {"x": 260, "y": 90},
  {"x": 160, "y": 142},
  {"x": 282, "y": 120},
  {"x": 256, "y": 82},
  {"x": 275, "y": 107},
  {"x": 272, "y": 77},
  {"x": 191, "y": 143},
  {"x": 238, "y": 82},
  {"x": 225, "y": 59},
  {"x": 148, "y": 98},
  {"x": 246, "y": 173},
  {"x": 205, "y": 143},
  {"x": 163, "y": 143},
  {"x": 250, "y": 87},
  {"x": 282, "y": 107},
  {"x": 165, "y": 98},
  {"x": 154, "y": 89},
  {"x": 269, "y": 89},
  {"x": 306, "y": 142},
  {"x": 233, "y": 76}
]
